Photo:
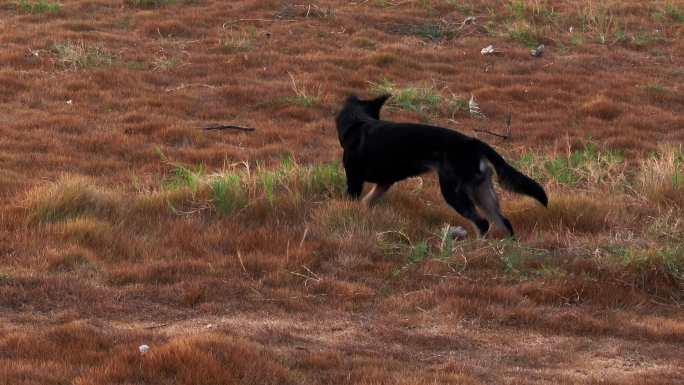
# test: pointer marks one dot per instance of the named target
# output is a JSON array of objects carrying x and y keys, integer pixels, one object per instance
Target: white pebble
[{"x": 488, "y": 50}]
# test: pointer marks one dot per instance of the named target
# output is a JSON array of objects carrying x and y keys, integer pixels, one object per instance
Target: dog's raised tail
[{"x": 512, "y": 179}]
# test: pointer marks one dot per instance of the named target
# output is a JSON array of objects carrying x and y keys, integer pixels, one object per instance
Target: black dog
[{"x": 384, "y": 152}]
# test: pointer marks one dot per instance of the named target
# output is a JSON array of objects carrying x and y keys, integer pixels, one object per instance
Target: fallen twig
[
  {"x": 229, "y": 126},
  {"x": 182, "y": 86},
  {"x": 301, "y": 243},
  {"x": 491, "y": 133},
  {"x": 156, "y": 326},
  {"x": 507, "y": 135},
  {"x": 239, "y": 257}
]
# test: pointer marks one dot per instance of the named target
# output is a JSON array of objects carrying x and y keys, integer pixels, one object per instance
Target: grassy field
[{"x": 237, "y": 258}]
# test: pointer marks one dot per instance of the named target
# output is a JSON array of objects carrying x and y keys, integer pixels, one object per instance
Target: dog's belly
[{"x": 390, "y": 173}]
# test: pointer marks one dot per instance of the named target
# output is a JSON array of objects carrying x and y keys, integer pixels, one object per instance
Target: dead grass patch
[
  {"x": 252, "y": 231},
  {"x": 196, "y": 361},
  {"x": 71, "y": 258},
  {"x": 238, "y": 41},
  {"x": 602, "y": 108},
  {"x": 86, "y": 230},
  {"x": 580, "y": 213},
  {"x": 384, "y": 59},
  {"x": 69, "y": 197},
  {"x": 166, "y": 29},
  {"x": 663, "y": 95},
  {"x": 661, "y": 176},
  {"x": 10, "y": 86},
  {"x": 78, "y": 55}
]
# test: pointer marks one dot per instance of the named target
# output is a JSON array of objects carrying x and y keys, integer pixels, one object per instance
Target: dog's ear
[
  {"x": 380, "y": 101},
  {"x": 352, "y": 99},
  {"x": 376, "y": 104}
]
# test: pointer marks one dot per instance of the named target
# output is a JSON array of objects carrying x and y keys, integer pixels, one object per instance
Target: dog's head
[
  {"x": 355, "y": 112},
  {"x": 370, "y": 107}
]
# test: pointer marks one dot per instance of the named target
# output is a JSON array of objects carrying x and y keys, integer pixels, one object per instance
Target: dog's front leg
[
  {"x": 354, "y": 176},
  {"x": 354, "y": 187},
  {"x": 354, "y": 182}
]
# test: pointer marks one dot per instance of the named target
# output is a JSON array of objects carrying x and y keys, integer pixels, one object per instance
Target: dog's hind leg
[
  {"x": 486, "y": 199},
  {"x": 378, "y": 190},
  {"x": 461, "y": 202}
]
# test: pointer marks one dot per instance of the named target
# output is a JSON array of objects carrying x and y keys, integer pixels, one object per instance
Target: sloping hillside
[{"x": 235, "y": 255}]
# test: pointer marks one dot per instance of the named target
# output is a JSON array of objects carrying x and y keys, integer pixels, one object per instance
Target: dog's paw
[{"x": 457, "y": 232}]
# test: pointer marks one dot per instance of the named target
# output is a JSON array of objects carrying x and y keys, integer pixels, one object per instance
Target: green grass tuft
[
  {"x": 517, "y": 8},
  {"x": 323, "y": 180},
  {"x": 424, "y": 100},
  {"x": 419, "y": 252},
  {"x": 268, "y": 180},
  {"x": 674, "y": 13},
  {"x": 41, "y": 6},
  {"x": 228, "y": 194},
  {"x": 524, "y": 34},
  {"x": 670, "y": 12},
  {"x": 185, "y": 177},
  {"x": 667, "y": 261},
  {"x": 587, "y": 165}
]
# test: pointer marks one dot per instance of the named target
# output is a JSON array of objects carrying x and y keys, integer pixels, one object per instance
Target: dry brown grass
[{"x": 236, "y": 257}]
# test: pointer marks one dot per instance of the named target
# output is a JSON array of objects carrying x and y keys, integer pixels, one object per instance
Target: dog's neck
[{"x": 348, "y": 123}]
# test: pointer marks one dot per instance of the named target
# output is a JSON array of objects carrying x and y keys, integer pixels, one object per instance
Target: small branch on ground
[
  {"x": 156, "y": 326},
  {"x": 229, "y": 127},
  {"x": 182, "y": 86},
  {"x": 491, "y": 133},
  {"x": 508, "y": 133}
]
